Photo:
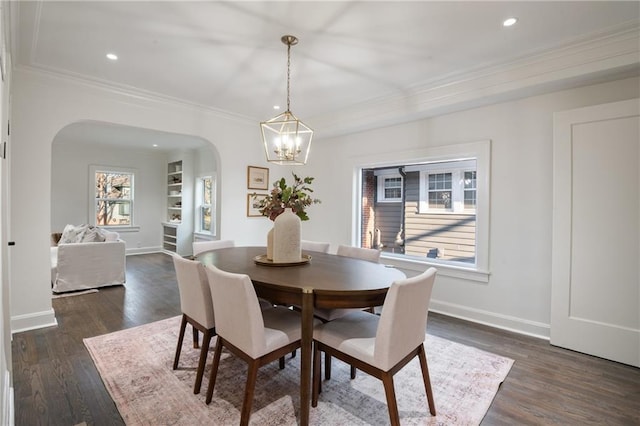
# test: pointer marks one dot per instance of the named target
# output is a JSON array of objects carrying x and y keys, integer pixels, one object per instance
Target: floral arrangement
[{"x": 282, "y": 196}]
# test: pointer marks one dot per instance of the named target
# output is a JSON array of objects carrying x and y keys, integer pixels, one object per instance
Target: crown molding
[
  {"x": 132, "y": 93},
  {"x": 587, "y": 61}
]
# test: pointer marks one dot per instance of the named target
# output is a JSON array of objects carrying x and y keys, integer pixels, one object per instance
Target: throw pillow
[
  {"x": 55, "y": 237},
  {"x": 110, "y": 236},
  {"x": 92, "y": 234},
  {"x": 72, "y": 234}
]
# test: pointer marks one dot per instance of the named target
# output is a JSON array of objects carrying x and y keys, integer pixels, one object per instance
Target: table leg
[{"x": 305, "y": 358}]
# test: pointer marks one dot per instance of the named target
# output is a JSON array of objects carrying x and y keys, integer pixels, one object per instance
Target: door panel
[{"x": 596, "y": 231}]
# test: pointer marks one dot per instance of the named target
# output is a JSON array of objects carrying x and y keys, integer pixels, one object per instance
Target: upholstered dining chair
[
  {"x": 197, "y": 310},
  {"x": 202, "y": 246},
  {"x": 326, "y": 315},
  {"x": 382, "y": 345},
  {"x": 254, "y": 335},
  {"x": 372, "y": 255},
  {"x": 314, "y": 246}
]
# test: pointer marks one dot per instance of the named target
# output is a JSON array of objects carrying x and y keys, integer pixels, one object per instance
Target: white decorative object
[
  {"x": 286, "y": 238},
  {"x": 270, "y": 244}
]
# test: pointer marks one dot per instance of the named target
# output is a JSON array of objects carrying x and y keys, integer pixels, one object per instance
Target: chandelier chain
[{"x": 288, "y": 75}]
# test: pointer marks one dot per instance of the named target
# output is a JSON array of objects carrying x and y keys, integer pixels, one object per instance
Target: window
[
  {"x": 439, "y": 191},
  {"x": 446, "y": 186},
  {"x": 389, "y": 185},
  {"x": 470, "y": 190},
  {"x": 112, "y": 196},
  {"x": 204, "y": 208},
  {"x": 442, "y": 213}
]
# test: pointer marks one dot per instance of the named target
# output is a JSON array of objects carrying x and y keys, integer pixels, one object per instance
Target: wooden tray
[{"x": 262, "y": 260}]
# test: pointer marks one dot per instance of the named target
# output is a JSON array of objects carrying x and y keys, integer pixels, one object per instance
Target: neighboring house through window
[
  {"x": 433, "y": 207},
  {"x": 112, "y": 196}
]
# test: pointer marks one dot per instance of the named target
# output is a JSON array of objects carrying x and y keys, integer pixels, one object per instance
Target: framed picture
[
  {"x": 253, "y": 204},
  {"x": 257, "y": 178}
]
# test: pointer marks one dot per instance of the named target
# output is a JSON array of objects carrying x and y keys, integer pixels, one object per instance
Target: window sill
[
  {"x": 470, "y": 274},
  {"x": 121, "y": 228},
  {"x": 204, "y": 235}
]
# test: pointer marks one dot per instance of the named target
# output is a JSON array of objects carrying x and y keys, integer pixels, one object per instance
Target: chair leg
[
  {"x": 394, "y": 416},
  {"x": 183, "y": 326},
  {"x": 214, "y": 371},
  {"x": 252, "y": 375},
  {"x": 195, "y": 338},
  {"x": 327, "y": 366},
  {"x": 281, "y": 363},
  {"x": 315, "y": 386},
  {"x": 204, "y": 351},
  {"x": 427, "y": 381}
]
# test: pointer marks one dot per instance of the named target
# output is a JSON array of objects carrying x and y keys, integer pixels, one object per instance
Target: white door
[{"x": 595, "y": 306}]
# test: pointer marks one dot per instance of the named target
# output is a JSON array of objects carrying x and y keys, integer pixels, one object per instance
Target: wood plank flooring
[{"x": 56, "y": 383}]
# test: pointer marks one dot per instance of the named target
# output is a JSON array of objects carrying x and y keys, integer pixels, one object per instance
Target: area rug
[
  {"x": 136, "y": 368},
  {"x": 73, "y": 293}
]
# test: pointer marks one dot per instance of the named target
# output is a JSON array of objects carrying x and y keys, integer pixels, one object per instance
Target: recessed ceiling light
[
  {"x": 112, "y": 56},
  {"x": 155, "y": 145},
  {"x": 509, "y": 22},
  {"x": 276, "y": 107}
]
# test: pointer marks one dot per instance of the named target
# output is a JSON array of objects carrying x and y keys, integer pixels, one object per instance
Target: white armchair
[{"x": 87, "y": 265}]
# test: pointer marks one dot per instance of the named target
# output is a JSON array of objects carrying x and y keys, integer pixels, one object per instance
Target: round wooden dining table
[{"x": 325, "y": 281}]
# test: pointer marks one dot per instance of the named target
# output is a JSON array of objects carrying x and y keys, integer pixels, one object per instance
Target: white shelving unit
[
  {"x": 170, "y": 228},
  {"x": 174, "y": 192}
]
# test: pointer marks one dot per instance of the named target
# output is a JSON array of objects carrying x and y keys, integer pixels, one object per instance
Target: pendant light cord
[{"x": 288, "y": 74}]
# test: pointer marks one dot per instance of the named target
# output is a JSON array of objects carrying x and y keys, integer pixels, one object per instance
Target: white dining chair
[
  {"x": 254, "y": 335},
  {"x": 326, "y": 315},
  {"x": 197, "y": 310},
  {"x": 372, "y": 255},
  {"x": 202, "y": 246},
  {"x": 381, "y": 345},
  {"x": 314, "y": 246}
]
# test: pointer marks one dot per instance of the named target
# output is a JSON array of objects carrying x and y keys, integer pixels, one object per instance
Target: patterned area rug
[
  {"x": 73, "y": 293},
  {"x": 136, "y": 367}
]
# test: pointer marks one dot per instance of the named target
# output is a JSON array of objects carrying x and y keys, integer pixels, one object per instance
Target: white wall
[
  {"x": 70, "y": 182},
  {"x": 518, "y": 292},
  {"x": 44, "y": 104},
  {"x": 6, "y": 369}
]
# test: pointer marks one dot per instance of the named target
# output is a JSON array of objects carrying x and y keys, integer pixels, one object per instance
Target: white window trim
[
  {"x": 481, "y": 151},
  {"x": 386, "y": 174},
  {"x": 93, "y": 168},
  {"x": 197, "y": 204}
]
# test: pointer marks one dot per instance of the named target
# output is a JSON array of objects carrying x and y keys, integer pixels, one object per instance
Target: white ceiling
[{"x": 228, "y": 56}]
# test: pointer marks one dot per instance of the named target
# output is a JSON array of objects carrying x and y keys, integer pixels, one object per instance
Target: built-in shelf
[
  {"x": 174, "y": 192},
  {"x": 174, "y": 206}
]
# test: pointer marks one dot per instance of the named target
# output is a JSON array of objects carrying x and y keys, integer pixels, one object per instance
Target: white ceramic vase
[
  {"x": 286, "y": 238},
  {"x": 270, "y": 244}
]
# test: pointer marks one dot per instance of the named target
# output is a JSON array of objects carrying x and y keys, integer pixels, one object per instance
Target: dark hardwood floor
[{"x": 56, "y": 383}]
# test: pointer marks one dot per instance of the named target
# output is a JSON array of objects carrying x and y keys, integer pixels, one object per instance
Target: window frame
[
  {"x": 457, "y": 184},
  {"x": 93, "y": 200},
  {"x": 381, "y": 177},
  {"x": 481, "y": 151},
  {"x": 199, "y": 204}
]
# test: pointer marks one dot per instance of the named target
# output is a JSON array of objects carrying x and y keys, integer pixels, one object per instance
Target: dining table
[{"x": 319, "y": 280}]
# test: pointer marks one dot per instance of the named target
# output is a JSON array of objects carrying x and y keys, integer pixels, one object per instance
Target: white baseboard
[
  {"x": 33, "y": 321},
  {"x": 7, "y": 412},
  {"x": 492, "y": 319},
  {"x": 143, "y": 250}
]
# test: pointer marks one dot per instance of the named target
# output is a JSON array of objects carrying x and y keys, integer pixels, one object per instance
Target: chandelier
[{"x": 286, "y": 139}]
